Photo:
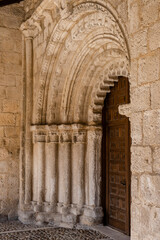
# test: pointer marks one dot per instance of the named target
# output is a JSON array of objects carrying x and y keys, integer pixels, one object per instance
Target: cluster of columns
[{"x": 65, "y": 171}]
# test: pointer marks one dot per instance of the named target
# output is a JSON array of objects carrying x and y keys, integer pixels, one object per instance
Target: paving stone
[{"x": 15, "y": 230}]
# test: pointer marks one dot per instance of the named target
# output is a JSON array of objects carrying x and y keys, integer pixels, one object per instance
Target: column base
[
  {"x": 26, "y": 216},
  {"x": 91, "y": 216},
  {"x": 86, "y": 216}
]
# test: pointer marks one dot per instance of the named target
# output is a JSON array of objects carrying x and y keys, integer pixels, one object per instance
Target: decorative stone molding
[
  {"x": 48, "y": 11},
  {"x": 53, "y": 137},
  {"x": 79, "y": 137},
  {"x": 106, "y": 80},
  {"x": 86, "y": 51},
  {"x": 68, "y": 34}
]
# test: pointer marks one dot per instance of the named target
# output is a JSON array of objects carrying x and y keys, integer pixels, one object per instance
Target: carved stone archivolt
[
  {"x": 85, "y": 51},
  {"x": 73, "y": 54}
]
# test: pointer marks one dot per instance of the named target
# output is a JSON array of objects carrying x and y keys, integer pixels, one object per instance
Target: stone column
[
  {"x": 78, "y": 156},
  {"x": 22, "y": 136},
  {"x": 94, "y": 158},
  {"x": 93, "y": 212},
  {"x": 51, "y": 168},
  {"x": 28, "y": 118},
  {"x": 39, "y": 166},
  {"x": 65, "y": 159},
  {"x": 91, "y": 149}
]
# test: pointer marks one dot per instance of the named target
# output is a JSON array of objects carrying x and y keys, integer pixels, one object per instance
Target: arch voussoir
[{"x": 106, "y": 81}]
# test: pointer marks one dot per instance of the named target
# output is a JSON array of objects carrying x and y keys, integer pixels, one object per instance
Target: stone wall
[
  {"x": 144, "y": 23},
  {"x": 55, "y": 41},
  {"x": 10, "y": 107},
  {"x": 141, "y": 21},
  {"x": 30, "y": 6}
]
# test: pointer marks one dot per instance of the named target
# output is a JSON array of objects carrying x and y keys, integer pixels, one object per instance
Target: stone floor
[
  {"x": 112, "y": 233},
  {"x": 14, "y": 230},
  {"x": 17, "y": 231}
]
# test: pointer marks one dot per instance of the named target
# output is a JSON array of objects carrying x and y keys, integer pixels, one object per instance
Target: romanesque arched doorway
[
  {"x": 116, "y": 158},
  {"x": 84, "y": 50}
]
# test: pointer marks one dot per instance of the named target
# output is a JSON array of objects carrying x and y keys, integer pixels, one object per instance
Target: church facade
[{"x": 80, "y": 114}]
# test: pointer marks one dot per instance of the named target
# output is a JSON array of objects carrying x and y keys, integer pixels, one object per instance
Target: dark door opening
[{"x": 116, "y": 159}]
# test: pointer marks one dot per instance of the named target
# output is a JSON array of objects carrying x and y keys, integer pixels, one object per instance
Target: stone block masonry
[
  {"x": 144, "y": 37},
  {"x": 140, "y": 20},
  {"x": 74, "y": 51},
  {"x": 10, "y": 107}
]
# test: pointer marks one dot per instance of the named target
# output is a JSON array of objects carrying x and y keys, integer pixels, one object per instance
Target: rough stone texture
[
  {"x": 141, "y": 159},
  {"x": 30, "y": 5},
  {"x": 139, "y": 43},
  {"x": 155, "y": 95},
  {"x": 136, "y": 128},
  {"x": 11, "y": 18},
  {"x": 63, "y": 93},
  {"x": 156, "y": 160},
  {"x": 140, "y": 98},
  {"x": 145, "y": 124},
  {"x": 149, "y": 68},
  {"x": 133, "y": 12},
  {"x": 151, "y": 124},
  {"x": 16, "y": 230},
  {"x": 150, "y": 189},
  {"x": 154, "y": 35}
]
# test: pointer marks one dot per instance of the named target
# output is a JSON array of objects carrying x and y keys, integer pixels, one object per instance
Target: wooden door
[{"x": 116, "y": 158}]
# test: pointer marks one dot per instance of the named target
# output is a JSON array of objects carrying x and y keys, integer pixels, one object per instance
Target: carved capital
[
  {"x": 27, "y": 30},
  {"x": 39, "y": 133},
  {"x": 53, "y": 137},
  {"x": 65, "y": 137},
  {"x": 94, "y": 133},
  {"x": 79, "y": 137},
  {"x": 64, "y": 7},
  {"x": 39, "y": 137}
]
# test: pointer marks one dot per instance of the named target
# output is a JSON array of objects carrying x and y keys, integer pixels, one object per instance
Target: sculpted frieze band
[{"x": 62, "y": 133}]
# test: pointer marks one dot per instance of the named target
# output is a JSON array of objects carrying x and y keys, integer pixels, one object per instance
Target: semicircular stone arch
[{"x": 86, "y": 53}]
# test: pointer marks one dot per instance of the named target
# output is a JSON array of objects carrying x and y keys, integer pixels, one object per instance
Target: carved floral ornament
[{"x": 86, "y": 53}]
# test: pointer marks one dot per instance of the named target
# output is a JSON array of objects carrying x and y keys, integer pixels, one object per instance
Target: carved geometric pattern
[
  {"x": 107, "y": 80},
  {"x": 87, "y": 40}
]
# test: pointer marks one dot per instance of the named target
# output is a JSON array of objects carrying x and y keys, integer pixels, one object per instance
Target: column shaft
[
  {"x": 94, "y": 160},
  {"x": 51, "y": 172},
  {"x": 65, "y": 165},
  {"x": 41, "y": 172},
  {"x": 22, "y": 140},
  {"x": 67, "y": 173},
  {"x": 92, "y": 167},
  {"x": 28, "y": 122},
  {"x": 78, "y": 161}
]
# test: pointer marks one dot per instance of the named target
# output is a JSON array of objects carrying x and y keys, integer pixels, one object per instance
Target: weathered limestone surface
[
  {"x": 72, "y": 56},
  {"x": 145, "y": 79},
  {"x": 140, "y": 19},
  {"x": 63, "y": 154},
  {"x": 11, "y": 18}
]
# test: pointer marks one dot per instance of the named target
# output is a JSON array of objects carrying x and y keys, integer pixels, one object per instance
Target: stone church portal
[{"x": 80, "y": 114}]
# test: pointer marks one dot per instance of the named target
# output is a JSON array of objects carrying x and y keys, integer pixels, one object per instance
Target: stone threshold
[{"x": 110, "y": 232}]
